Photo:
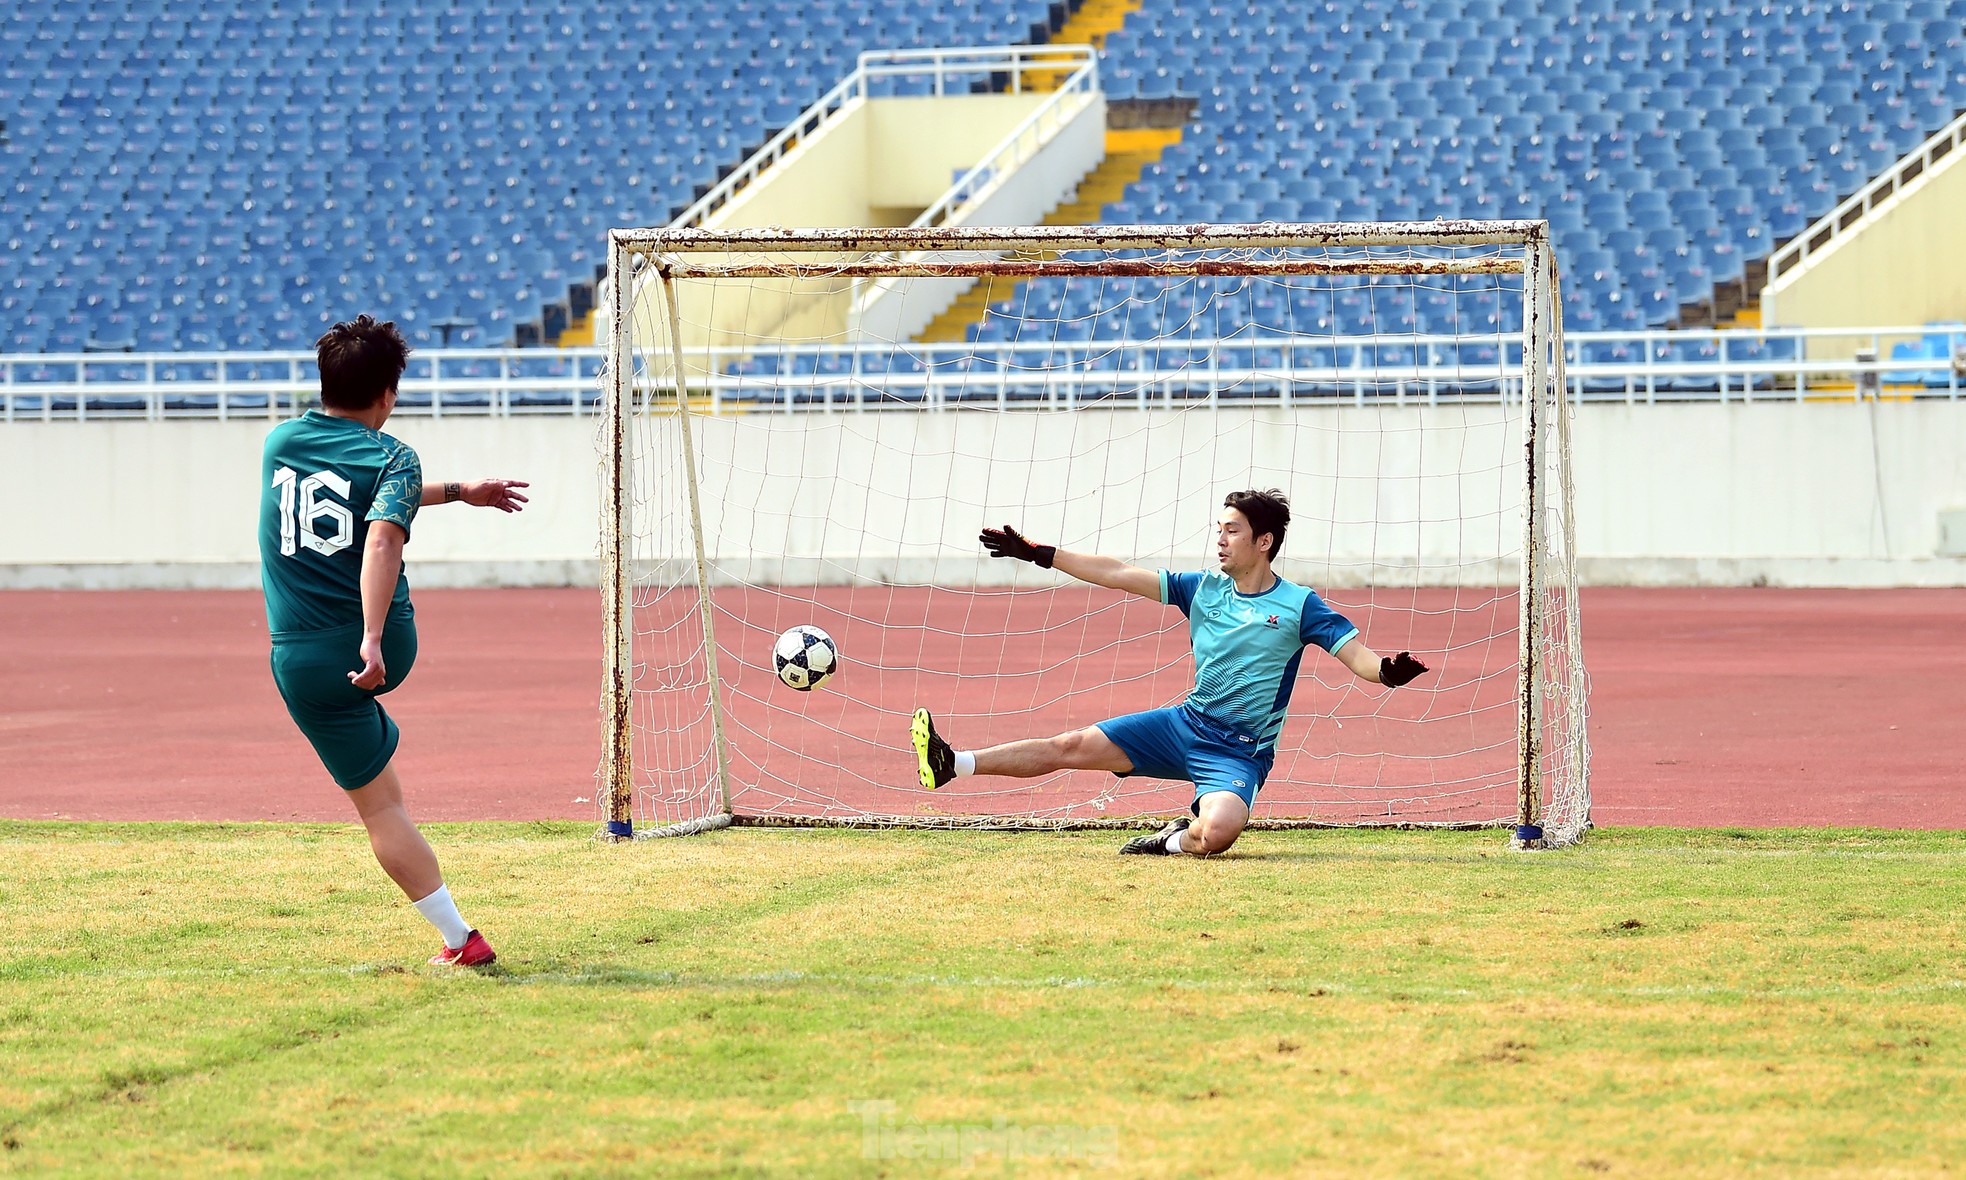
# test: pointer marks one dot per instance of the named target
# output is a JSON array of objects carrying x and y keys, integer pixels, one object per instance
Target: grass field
[{"x": 251, "y": 999}]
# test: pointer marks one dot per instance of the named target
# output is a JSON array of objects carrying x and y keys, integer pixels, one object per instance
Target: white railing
[
  {"x": 273, "y": 385},
  {"x": 1298, "y": 370},
  {"x": 1031, "y": 134},
  {"x": 1883, "y": 188},
  {"x": 943, "y": 68}
]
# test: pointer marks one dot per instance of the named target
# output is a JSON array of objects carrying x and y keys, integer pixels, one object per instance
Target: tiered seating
[
  {"x": 1668, "y": 144},
  {"x": 176, "y": 175}
]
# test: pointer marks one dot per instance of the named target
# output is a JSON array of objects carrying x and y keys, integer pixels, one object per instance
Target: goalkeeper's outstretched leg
[{"x": 936, "y": 762}]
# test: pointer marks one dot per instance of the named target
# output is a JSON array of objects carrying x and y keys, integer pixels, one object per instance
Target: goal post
[{"x": 785, "y": 443}]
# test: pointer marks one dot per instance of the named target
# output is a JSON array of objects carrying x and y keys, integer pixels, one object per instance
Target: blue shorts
[{"x": 1179, "y": 743}]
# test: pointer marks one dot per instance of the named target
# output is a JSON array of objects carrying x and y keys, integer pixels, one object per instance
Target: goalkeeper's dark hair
[
  {"x": 360, "y": 361},
  {"x": 1267, "y": 512}
]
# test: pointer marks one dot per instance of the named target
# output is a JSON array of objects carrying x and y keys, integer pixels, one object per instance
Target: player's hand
[
  {"x": 373, "y": 675},
  {"x": 496, "y": 493},
  {"x": 1007, "y": 542},
  {"x": 1400, "y": 669}
]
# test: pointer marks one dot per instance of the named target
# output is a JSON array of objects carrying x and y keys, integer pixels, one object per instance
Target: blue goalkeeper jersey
[{"x": 1247, "y": 647}]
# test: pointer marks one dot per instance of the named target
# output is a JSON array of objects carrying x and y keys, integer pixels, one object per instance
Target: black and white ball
[{"x": 805, "y": 657}]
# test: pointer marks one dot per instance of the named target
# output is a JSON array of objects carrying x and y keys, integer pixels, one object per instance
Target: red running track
[{"x": 1710, "y": 707}]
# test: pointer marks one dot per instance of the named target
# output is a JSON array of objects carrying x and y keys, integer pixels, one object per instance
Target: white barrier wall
[
  {"x": 1787, "y": 494},
  {"x": 176, "y": 503},
  {"x": 1840, "y": 494},
  {"x": 1396, "y": 496}
]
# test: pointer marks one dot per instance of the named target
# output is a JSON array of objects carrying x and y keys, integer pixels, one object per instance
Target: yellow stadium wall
[
  {"x": 880, "y": 162},
  {"x": 917, "y": 147},
  {"x": 1907, "y": 265}
]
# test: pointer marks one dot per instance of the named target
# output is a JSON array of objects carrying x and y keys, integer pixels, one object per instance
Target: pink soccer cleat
[{"x": 475, "y": 952}]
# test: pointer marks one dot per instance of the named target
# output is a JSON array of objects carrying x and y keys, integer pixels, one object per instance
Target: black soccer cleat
[
  {"x": 935, "y": 762},
  {"x": 1156, "y": 844}
]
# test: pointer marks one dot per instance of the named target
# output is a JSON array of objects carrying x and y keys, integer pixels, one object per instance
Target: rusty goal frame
[{"x": 646, "y": 265}]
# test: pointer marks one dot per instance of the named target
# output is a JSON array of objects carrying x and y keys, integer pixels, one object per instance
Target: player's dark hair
[
  {"x": 1266, "y": 511},
  {"x": 360, "y": 361}
]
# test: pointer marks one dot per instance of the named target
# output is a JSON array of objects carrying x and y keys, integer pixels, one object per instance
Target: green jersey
[{"x": 322, "y": 480}]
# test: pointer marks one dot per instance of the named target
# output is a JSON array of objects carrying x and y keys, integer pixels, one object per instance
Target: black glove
[
  {"x": 1397, "y": 670},
  {"x": 1007, "y": 542}
]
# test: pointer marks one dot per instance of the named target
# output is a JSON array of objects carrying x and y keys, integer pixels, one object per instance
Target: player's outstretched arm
[
  {"x": 479, "y": 493},
  {"x": 1391, "y": 671},
  {"x": 1109, "y": 572}
]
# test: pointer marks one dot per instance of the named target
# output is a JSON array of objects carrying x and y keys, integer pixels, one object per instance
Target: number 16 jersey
[{"x": 322, "y": 480}]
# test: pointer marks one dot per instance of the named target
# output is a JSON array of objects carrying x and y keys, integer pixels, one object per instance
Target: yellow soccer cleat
[{"x": 935, "y": 762}]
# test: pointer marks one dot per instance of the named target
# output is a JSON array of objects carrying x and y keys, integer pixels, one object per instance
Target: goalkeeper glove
[
  {"x": 1397, "y": 670},
  {"x": 1007, "y": 542}
]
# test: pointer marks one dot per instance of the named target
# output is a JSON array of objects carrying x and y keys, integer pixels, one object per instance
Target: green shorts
[{"x": 346, "y": 725}]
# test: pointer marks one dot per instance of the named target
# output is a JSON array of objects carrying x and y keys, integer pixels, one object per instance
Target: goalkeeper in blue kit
[
  {"x": 337, "y": 497},
  {"x": 1249, "y": 628}
]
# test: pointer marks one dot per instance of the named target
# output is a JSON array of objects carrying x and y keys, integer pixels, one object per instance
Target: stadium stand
[
  {"x": 1671, "y": 146},
  {"x": 175, "y": 176}
]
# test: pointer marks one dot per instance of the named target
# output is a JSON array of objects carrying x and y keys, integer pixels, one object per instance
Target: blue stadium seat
[
  {"x": 1457, "y": 107},
  {"x": 278, "y": 129}
]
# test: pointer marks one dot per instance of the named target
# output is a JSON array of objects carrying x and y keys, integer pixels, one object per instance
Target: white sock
[
  {"x": 442, "y": 913},
  {"x": 965, "y": 763},
  {"x": 1174, "y": 841}
]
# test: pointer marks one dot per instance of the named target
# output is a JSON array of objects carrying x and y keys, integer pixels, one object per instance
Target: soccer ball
[{"x": 805, "y": 657}]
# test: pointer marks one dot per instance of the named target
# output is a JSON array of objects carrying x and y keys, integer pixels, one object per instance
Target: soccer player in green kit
[{"x": 337, "y": 499}]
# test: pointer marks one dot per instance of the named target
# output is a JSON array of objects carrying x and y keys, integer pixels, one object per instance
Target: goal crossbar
[
  {"x": 1065, "y": 268},
  {"x": 1270, "y": 235}
]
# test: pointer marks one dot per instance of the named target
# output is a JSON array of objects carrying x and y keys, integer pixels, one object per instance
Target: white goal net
[{"x": 787, "y": 443}]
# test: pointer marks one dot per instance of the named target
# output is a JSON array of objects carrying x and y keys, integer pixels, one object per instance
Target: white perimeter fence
[{"x": 1646, "y": 367}]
